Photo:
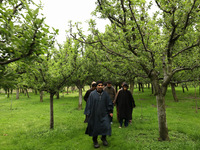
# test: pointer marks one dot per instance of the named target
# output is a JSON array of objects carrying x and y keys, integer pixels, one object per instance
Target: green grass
[{"x": 25, "y": 124}]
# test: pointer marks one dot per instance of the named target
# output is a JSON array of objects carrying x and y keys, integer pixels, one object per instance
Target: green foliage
[
  {"x": 8, "y": 76},
  {"x": 50, "y": 73},
  {"x": 23, "y": 31}
]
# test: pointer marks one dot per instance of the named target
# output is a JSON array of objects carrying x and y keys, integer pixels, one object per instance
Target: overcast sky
[{"x": 59, "y": 12}]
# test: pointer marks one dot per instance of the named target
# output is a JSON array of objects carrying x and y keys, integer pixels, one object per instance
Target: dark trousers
[
  {"x": 111, "y": 118},
  {"x": 94, "y": 138},
  {"x": 125, "y": 122}
]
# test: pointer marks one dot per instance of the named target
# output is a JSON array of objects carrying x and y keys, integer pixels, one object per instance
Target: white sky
[{"x": 59, "y": 12}]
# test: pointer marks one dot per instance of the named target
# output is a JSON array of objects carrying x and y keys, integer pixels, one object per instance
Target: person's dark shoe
[
  {"x": 105, "y": 143},
  {"x": 96, "y": 145}
]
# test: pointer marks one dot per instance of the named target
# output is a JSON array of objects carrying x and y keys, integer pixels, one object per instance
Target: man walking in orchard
[{"x": 98, "y": 108}]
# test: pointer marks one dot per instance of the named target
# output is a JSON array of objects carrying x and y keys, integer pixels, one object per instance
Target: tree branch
[
  {"x": 31, "y": 50},
  {"x": 111, "y": 18},
  {"x": 139, "y": 29},
  {"x": 124, "y": 10},
  {"x": 15, "y": 9},
  {"x": 187, "y": 68},
  {"x": 173, "y": 38},
  {"x": 169, "y": 12},
  {"x": 187, "y": 48},
  {"x": 111, "y": 51},
  {"x": 183, "y": 81},
  {"x": 188, "y": 15}
]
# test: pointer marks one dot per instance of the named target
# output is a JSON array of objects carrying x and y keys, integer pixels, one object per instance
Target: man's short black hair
[
  {"x": 109, "y": 82},
  {"x": 99, "y": 82},
  {"x": 125, "y": 84}
]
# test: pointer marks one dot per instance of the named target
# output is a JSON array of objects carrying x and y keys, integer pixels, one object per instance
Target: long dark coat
[
  {"x": 87, "y": 94},
  {"x": 98, "y": 108},
  {"x": 125, "y": 104}
]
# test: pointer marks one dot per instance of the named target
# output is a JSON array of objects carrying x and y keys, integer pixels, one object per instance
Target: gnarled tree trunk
[
  {"x": 160, "y": 92},
  {"x": 162, "y": 122}
]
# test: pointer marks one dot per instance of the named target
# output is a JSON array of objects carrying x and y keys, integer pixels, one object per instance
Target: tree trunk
[
  {"x": 160, "y": 92},
  {"x": 174, "y": 92},
  {"x": 132, "y": 86},
  {"x": 196, "y": 100},
  {"x": 17, "y": 93},
  {"x": 57, "y": 95},
  {"x": 162, "y": 122},
  {"x": 139, "y": 86},
  {"x": 24, "y": 91},
  {"x": 199, "y": 88},
  {"x": 142, "y": 87},
  {"x": 80, "y": 99},
  {"x": 67, "y": 90},
  {"x": 72, "y": 89},
  {"x": 8, "y": 93},
  {"x": 186, "y": 87},
  {"x": 148, "y": 85},
  {"x": 27, "y": 93},
  {"x": 152, "y": 89},
  {"x": 35, "y": 91},
  {"x": 51, "y": 111},
  {"x": 183, "y": 89},
  {"x": 41, "y": 96}
]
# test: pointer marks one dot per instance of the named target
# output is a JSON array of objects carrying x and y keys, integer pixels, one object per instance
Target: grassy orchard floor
[{"x": 26, "y": 125}]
